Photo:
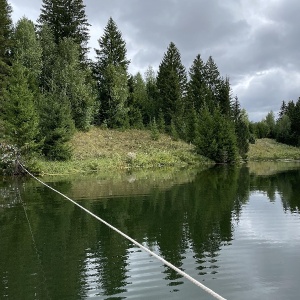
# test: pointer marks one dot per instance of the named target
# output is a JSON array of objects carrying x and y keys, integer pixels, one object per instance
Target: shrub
[{"x": 8, "y": 157}]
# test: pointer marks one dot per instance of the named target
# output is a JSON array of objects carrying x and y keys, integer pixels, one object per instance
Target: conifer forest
[{"x": 50, "y": 88}]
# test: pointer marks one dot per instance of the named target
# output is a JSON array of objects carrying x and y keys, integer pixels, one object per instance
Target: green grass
[
  {"x": 103, "y": 150},
  {"x": 268, "y": 149}
]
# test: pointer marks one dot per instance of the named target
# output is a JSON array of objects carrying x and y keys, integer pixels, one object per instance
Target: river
[{"x": 234, "y": 229}]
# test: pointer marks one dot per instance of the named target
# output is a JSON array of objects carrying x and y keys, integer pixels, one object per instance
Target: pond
[{"x": 234, "y": 229}]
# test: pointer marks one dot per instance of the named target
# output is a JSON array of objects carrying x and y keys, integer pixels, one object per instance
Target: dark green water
[{"x": 237, "y": 230}]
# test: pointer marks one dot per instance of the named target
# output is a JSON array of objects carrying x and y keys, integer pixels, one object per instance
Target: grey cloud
[{"x": 245, "y": 38}]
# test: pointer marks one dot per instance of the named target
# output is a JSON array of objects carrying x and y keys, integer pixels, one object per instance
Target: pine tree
[
  {"x": 212, "y": 78},
  {"x": 197, "y": 86},
  {"x": 192, "y": 124},
  {"x": 137, "y": 105},
  {"x": 151, "y": 105},
  {"x": 6, "y": 30},
  {"x": 283, "y": 130},
  {"x": 49, "y": 54},
  {"x": 19, "y": 112},
  {"x": 283, "y": 109},
  {"x": 116, "y": 114},
  {"x": 154, "y": 130},
  {"x": 62, "y": 69},
  {"x": 112, "y": 49},
  {"x": 224, "y": 96},
  {"x": 270, "y": 120},
  {"x": 74, "y": 80},
  {"x": 172, "y": 84},
  {"x": 212, "y": 74},
  {"x": 111, "y": 57},
  {"x": 216, "y": 137},
  {"x": 67, "y": 19},
  {"x": 56, "y": 124},
  {"x": 295, "y": 124},
  {"x": 28, "y": 51},
  {"x": 241, "y": 124}
]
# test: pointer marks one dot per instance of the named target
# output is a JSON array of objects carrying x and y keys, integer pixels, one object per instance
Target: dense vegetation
[
  {"x": 285, "y": 129},
  {"x": 49, "y": 89}
]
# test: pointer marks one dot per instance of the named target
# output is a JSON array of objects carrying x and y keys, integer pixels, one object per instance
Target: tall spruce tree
[
  {"x": 19, "y": 112},
  {"x": 241, "y": 124},
  {"x": 67, "y": 19},
  {"x": 282, "y": 109},
  {"x": 138, "y": 101},
  {"x": 49, "y": 54},
  {"x": 112, "y": 49},
  {"x": 56, "y": 122},
  {"x": 152, "y": 107},
  {"x": 295, "y": 124},
  {"x": 197, "y": 85},
  {"x": 27, "y": 51},
  {"x": 117, "y": 91},
  {"x": 62, "y": 68},
  {"x": 212, "y": 78},
  {"x": 111, "y": 57},
  {"x": 6, "y": 30},
  {"x": 73, "y": 79},
  {"x": 172, "y": 85},
  {"x": 224, "y": 96}
]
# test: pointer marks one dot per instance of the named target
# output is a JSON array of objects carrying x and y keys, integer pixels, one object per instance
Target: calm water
[{"x": 237, "y": 230}]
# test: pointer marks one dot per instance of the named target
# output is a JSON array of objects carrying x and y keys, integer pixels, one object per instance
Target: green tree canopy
[
  {"x": 74, "y": 80},
  {"x": 111, "y": 58},
  {"x": 197, "y": 85},
  {"x": 172, "y": 84},
  {"x": 67, "y": 19},
  {"x": 138, "y": 106},
  {"x": 6, "y": 30},
  {"x": 152, "y": 95},
  {"x": 27, "y": 50},
  {"x": 19, "y": 112},
  {"x": 216, "y": 137},
  {"x": 117, "y": 91},
  {"x": 112, "y": 49}
]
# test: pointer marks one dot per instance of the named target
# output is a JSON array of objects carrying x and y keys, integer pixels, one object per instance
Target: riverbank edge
[
  {"x": 105, "y": 150},
  {"x": 270, "y": 150},
  {"x": 112, "y": 151}
]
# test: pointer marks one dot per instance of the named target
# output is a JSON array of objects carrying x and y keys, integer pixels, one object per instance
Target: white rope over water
[{"x": 196, "y": 282}]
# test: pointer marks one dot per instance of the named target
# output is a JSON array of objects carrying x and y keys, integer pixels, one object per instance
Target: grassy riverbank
[
  {"x": 102, "y": 150},
  {"x": 268, "y": 149},
  {"x": 105, "y": 150}
]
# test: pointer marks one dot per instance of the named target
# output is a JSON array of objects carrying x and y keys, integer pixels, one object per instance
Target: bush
[
  {"x": 8, "y": 157},
  {"x": 154, "y": 131},
  {"x": 216, "y": 137}
]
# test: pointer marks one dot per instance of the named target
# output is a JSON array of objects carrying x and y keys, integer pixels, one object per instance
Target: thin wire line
[{"x": 193, "y": 280}]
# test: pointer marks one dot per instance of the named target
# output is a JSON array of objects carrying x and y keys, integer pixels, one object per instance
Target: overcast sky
[{"x": 254, "y": 42}]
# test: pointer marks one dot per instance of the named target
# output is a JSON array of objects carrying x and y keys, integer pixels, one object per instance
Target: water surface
[{"x": 237, "y": 230}]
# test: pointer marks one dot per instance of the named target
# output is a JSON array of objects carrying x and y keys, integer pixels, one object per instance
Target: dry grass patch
[
  {"x": 102, "y": 149},
  {"x": 268, "y": 149}
]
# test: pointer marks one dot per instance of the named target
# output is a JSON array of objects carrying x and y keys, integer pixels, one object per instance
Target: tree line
[
  {"x": 49, "y": 88},
  {"x": 285, "y": 128}
]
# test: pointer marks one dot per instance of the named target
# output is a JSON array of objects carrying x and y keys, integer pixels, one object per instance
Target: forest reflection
[{"x": 65, "y": 254}]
